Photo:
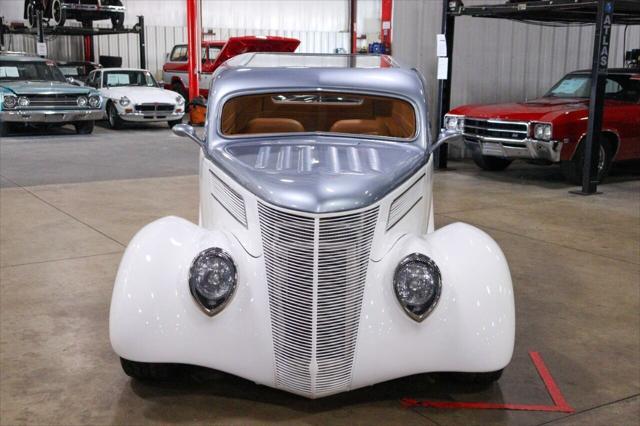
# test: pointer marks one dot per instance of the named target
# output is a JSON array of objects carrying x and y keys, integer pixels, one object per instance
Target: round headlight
[
  {"x": 23, "y": 101},
  {"x": 179, "y": 100},
  {"x": 10, "y": 101},
  {"x": 452, "y": 123},
  {"x": 82, "y": 101},
  {"x": 417, "y": 284},
  {"x": 124, "y": 101},
  {"x": 212, "y": 279},
  {"x": 542, "y": 132},
  {"x": 94, "y": 101}
]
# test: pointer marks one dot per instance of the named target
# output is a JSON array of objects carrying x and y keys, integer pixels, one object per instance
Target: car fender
[
  {"x": 471, "y": 329},
  {"x": 154, "y": 318}
]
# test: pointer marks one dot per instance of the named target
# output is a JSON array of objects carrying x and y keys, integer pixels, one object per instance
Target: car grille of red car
[
  {"x": 496, "y": 130},
  {"x": 316, "y": 271}
]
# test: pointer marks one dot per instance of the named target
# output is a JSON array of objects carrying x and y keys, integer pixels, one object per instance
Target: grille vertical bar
[{"x": 315, "y": 338}]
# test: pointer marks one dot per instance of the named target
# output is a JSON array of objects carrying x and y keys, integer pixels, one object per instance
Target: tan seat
[
  {"x": 361, "y": 127},
  {"x": 273, "y": 125}
]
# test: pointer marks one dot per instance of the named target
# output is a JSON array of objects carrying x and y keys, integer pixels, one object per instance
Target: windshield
[
  {"x": 31, "y": 71},
  {"x": 620, "y": 87},
  {"x": 128, "y": 78},
  {"x": 325, "y": 112}
]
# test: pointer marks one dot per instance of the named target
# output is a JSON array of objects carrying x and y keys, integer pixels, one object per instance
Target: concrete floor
[{"x": 69, "y": 205}]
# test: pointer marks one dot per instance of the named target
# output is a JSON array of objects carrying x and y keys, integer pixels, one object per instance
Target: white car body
[
  {"x": 146, "y": 104},
  {"x": 314, "y": 311}
]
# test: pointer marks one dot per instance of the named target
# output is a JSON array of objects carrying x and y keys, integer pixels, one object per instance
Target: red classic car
[
  {"x": 214, "y": 53},
  {"x": 552, "y": 129}
]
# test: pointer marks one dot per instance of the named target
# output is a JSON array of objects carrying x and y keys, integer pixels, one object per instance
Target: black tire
[
  {"x": 84, "y": 127},
  {"x": 145, "y": 371},
  {"x": 572, "y": 170},
  {"x": 117, "y": 21},
  {"x": 173, "y": 123},
  {"x": 58, "y": 14},
  {"x": 181, "y": 90},
  {"x": 4, "y": 128},
  {"x": 113, "y": 119},
  {"x": 492, "y": 164},
  {"x": 478, "y": 379},
  {"x": 31, "y": 14}
]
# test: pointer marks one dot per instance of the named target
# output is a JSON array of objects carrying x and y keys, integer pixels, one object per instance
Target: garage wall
[{"x": 497, "y": 60}]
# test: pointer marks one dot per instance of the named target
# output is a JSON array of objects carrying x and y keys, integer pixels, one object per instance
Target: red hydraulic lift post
[
  {"x": 385, "y": 23},
  {"x": 193, "y": 48},
  {"x": 353, "y": 23}
]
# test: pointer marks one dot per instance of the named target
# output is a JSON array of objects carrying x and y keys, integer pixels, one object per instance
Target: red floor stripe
[{"x": 560, "y": 404}]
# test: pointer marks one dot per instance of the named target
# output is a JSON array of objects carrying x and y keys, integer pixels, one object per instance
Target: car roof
[
  {"x": 310, "y": 60},
  {"x": 20, "y": 57},
  {"x": 628, "y": 71}
]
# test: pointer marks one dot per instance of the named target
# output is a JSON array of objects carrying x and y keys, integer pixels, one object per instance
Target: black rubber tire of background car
[
  {"x": 146, "y": 371},
  {"x": 572, "y": 169},
  {"x": 4, "y": 128},
  {"x": 117, "y": 21},
  {"x": 113, "y": 119},
  {"x": 491, "y": 164},
  {"x": 173, "y": 123},
  {"x": 478, "y": 379},
  {"x": 31, "y": 14},
  {"x": 62, "y": 15},
  {"x": 84, "y": 127}
]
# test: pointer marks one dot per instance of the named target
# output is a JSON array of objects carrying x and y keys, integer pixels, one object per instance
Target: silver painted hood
[{"x": 319, "y": 174}]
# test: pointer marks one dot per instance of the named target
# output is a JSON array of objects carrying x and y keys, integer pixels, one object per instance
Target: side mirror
[
  {"x": 184, "y": 130},
  {"x": 446, "y": 136}
]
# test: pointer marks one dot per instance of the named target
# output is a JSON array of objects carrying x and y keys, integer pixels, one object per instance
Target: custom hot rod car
[
  {"x": 33, "y": 92},
  {"x": 133, "y": 95},
  {"x": 85, "y": 11},
  {"x": 552, "y": 129},
  {"x": 315, "y": 267},
  {"x": 213, "y": 54}
]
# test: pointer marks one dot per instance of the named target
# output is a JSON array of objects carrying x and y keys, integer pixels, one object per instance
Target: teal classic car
[{"x": 33, "y": 92}]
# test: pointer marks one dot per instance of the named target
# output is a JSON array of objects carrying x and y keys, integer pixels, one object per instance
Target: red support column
[
  {"x": 193, "y": 53},
  {"x": 88, "y": 49},
  {"x": 386, "y": 16}
]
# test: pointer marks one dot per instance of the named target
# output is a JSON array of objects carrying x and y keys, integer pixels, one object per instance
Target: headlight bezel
[
  {"x": 9, "y": 96},
  {"x": 453, "y": 123},
  {"x": 23, "y": 102},
  {"x": 179, "y": 100},
  {"x": 194, "y": 270},
  {"x": 427, "y": 262},
  {"x": 82, "y": 101},
  {"x": 124, "y": 101},
  {"x": 543, "y": 131},
  {"x": 99, "y": 101}
]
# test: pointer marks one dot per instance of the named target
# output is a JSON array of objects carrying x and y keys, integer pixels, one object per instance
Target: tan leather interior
[
  {"x": 362, "y": 127},
  {"x": 273, "y": 125}
]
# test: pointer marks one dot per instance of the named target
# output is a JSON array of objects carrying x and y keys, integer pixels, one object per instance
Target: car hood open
[
  {"x": 43, "y": 88},
  {"x": 319, "y": 174},
  {"x": 239, "y": 45}
]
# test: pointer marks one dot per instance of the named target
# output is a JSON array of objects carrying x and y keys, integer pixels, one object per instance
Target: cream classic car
[
  {"x": 315, "y": 266},
  {"x": 133, "y": 95}
]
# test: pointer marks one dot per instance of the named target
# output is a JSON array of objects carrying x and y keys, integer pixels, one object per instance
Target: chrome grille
[
  {"x": 404, "y": 203},
  {"x": 316, "y": 271},
  {"x": 53, "y": 101},
  {"x": 229, "y": 199},
  {"x": 496, "y": 130}
]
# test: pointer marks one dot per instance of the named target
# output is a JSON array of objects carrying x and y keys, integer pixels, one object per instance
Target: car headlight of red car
[
  {"x": 454, "y": 123},
  {"x": 542, "y": 131}
]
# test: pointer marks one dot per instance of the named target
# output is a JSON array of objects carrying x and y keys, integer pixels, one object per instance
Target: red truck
[
  {"x": 214, "y": 53},
  {"x": 553, "y": 128}
]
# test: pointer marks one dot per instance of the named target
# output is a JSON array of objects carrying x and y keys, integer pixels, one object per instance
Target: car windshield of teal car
[
  {"x": 128, "y": 78},
  {"x": 31, "y": 71}
]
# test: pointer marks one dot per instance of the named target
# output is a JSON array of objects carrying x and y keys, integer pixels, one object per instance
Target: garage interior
[{"x": 70, "y": 204}]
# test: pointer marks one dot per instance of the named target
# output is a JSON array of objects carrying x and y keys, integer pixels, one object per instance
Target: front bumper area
[
  {"x": 92, "y": 7},
  {"x": 149, "y": 117},
  {"x": 50, "y": 116},
  {"x": 531, "y": 149}
]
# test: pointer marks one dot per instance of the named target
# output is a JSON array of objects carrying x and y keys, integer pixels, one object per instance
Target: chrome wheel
[{"x": 602, "y": 160}]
